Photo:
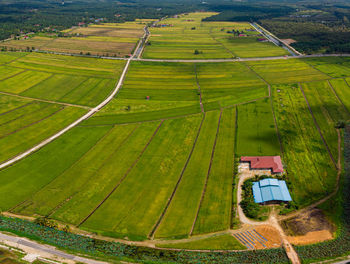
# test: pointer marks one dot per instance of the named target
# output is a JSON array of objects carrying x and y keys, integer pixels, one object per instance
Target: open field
[
  {"x": 58, "y": 80},
  {"x": 286, "y": 71},
  {"x": 327, "y": 111},
  {"x": 223, "y": 242},
  {"x": 179, "y": 37},
  {"x": 305, "y": 155},
  {"x": 336, "y": 67},
  {"x": 227, "y": 84},
  {"x": 110, "y": 39},
  {"x": 154, "y": 162},
  {"x": 256, "y": 133},
  {"x": 74, "y": 80}
]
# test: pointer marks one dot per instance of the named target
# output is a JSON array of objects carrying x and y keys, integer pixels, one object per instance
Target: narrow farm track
[
  {"x": 338, "y": 98},
  {"x": 123, "y": 178},
  {"x": 72, "y": 125},
  {"x": 199, "y": 89},
  {"x": 318, "y": 127},
  {"x": 154, "y": 229},
  {"x": 311, "y": 206},
  {"x": 208, "y": 174}
]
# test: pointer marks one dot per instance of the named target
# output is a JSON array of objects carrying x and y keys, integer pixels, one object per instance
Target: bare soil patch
[
  {"x": 271, "y": 234},
  {"x": 289, "y": 41},
  {"x": 311, "y": 237},
  {"x": 305, "y": 222}
]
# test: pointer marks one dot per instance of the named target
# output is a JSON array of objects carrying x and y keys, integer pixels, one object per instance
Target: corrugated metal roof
[{"x": 270, "y": 190}]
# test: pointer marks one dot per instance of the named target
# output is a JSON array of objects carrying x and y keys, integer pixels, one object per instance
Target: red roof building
[{"x": 273, "y": 163}]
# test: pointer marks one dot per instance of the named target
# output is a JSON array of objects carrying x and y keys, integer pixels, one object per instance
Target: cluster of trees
[{"x": 18, "y": 16}]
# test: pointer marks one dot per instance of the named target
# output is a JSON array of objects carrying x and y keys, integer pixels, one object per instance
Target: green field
[
  {"x": 105, "y": 39},
  {"x": 67, "y": 86},
  {"x": 286, "y": 71},
  {"x": 221, "y": 242},
  {"x": 304, "y": 152},
  {"x": 178, "y": 38},
  {"x": 155, "y": 162}
]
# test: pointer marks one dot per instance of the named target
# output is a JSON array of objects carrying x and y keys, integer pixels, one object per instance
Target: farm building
[
  {"x": 273, "y": 163},
  {"x": 270, "y": 191}
]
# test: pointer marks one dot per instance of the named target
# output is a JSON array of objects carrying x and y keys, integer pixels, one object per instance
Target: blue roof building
[{"x": 270, "y": 189}]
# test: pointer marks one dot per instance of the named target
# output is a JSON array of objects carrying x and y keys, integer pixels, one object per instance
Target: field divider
[
  {"x": 82, "y": 157},
  {"x": 45, "y": 101},
  {"x": 72, "y": 125},
  {"x": 33, "y": 123},
  {"x": 125, "y": 175},
  {"x": 14, "y": 109},
  {"x": 154, "y": 229},
  {"x": 234, "y": 213},
  {"x": 318, "y": 128},
  {"x": 336, "y": 95},
  {"x": 275, "y": 121},
  {"x": 199, "y": 89},
  {"x": 18, "y": 73},
  {"x": 208, "y": 174}
]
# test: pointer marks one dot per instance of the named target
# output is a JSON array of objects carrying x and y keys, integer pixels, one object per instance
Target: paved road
[
  {"x": 75, "y": 123},
  {"x": 43, "y": 250}
]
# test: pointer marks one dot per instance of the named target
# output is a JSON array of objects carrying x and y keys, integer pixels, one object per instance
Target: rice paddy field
[
  {"x": 105, "y": 39},
  {"x": 159, "y": 160},
  {"x": 178, "y": 38},
  {"x": 41, "y": 94}
]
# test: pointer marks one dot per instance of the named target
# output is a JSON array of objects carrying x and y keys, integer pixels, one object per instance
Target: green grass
[
  {"x": 188, "y": 33},
  {"x": 327, "y": 110},
  {"x": 80, "y": 66},
  {"x": 286, "y": 71},
  {"x": 342, "y": 89},
  {"x": 29, "y": 175},
  {"x": 215, "y": 211},
  {"x": 36, "y": 128},
  {"x": 227, "y": 84},
  {"x": 335, "y": 67},
  {"x": 9, "y": 104},
  {"x": 6, "y": 57},
  {"x": 7, "y": 72},
  {"x": 220, "y": 242},
  {"x": 23, "y": 81},
  {"x": 181, "y": 213},
  {"x": 256, "y": 133},
  {"x": 136, "y": 205},
  {"x": 305, "y": 155},
  {"x": 83, "y": 171},
  {"x": 121, "y": 158}
]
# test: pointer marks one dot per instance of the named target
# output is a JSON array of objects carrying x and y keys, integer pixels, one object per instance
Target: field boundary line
[
  {"x": 275, "y": 121},
  {"x": 45, "y": 101},
  {"x": 16, "y": 108},
  {"x": 336, "y": 95},
  {"x": 199, "y": 88},
  {"x": 318, "y": 127},
  {"x": 33, "y": 123},
  {"x": 154, "y": 229},
  {"x": 18, "y": 73},
  {"x": 47, "y": 78},
  {"x": 208, "y": 174},
  {"x": 75, "y": 123},
  {"x": 25, "y": 114},
  {"x": 125, "y": 175},
  {"x": 103, "y": 163},
  {"x": 175, "y": 117},
  {"x": 234, "y": 182}
]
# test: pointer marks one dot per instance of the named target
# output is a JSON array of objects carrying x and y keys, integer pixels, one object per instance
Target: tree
[{"x": 196, "y": 52}]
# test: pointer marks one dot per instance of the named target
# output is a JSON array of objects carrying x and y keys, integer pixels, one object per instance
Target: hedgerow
[
  {"x": 120, "y": 251},
  {"x": 341, "y": 245}
]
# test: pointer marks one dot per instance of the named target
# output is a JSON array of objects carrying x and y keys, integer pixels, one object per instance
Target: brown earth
[
  {"x": 311, "y": 237},
  {"x": 288, "y": 41},
  {"x": 271, "y": 234},
  {"x": 108, "y": 32},
  {"x": 305, "y": 222}
]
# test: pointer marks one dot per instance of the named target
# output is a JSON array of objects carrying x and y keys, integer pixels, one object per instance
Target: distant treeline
[{"x": 36, "y": 15}]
